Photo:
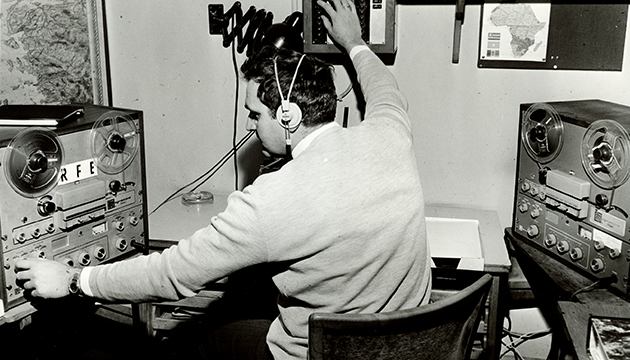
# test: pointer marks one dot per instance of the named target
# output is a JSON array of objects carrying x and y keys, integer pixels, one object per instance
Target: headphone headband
[{"x": 289, "y": 115}]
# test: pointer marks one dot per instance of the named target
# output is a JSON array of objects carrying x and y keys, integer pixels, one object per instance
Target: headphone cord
[{"x": 208, "y": 173}]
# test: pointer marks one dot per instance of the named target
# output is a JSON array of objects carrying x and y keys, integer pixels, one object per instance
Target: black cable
[
  {"x": 259, "y": 21},
  {"x": 211, "y": 171},
  {"x": 223, "y": 161},
  {"x": 235, "y": 121},
  {"x": 522, "y": 339},
  {"x": 599, "y": 283}
]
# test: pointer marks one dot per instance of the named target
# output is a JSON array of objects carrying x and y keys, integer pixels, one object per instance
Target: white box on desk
[{"x": 456, "y": 242}]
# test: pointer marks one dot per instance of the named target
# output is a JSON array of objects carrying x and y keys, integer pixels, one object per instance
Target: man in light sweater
[{"x": 344, "y": 218}]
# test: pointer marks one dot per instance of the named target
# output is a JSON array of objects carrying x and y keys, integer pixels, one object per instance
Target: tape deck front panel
[
  {"x": 572, "y": 197},
  {"x": 74, "y": 194}
]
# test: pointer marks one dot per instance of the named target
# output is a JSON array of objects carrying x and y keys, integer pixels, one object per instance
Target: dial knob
[
  {"x": 535, "y": 213},
  {"x": 597, "y": 265},
  {"x": 115, "y": 186},
  {"x": 576, "y": 254},
  {"x": 563, "y": 246},
  {"x": 84, "y": 259},
  {"x": 551, "y": 240},
  {"x": 100, "y": 252},
  {"x": 46, "y": 207},
  {"x": 121, "y": 244},
  {"x": 533, "y": 231},
  {"x": 614, "y": 253}
]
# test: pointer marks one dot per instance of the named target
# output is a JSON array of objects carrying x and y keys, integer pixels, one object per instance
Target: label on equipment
[
  {"x": 78, "y": 171},
  {"x": 608, "y": 221}
]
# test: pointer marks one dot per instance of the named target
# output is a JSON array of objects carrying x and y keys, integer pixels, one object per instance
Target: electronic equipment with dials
[
  {"x": 376, "y": 17},
  {"x": 572, "y": 196},
  {"x": 74, "y": 194}
]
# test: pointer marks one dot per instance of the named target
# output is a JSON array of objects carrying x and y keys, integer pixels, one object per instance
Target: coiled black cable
[{"x": 256, "y": 23}]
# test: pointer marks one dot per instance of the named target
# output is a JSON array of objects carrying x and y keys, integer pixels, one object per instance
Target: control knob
[
  {"x": 576, "y": 254},
  {"x": 119, "y": 225},
  {"x": 46, "y": 207},
  {"x": 535, "y": 213},
  {"x": 523, "y": 207},
  {"x": 563, "y": 246},
  {"x": 598, "y": 245},
  {"x": 121, "y": 243},
  {"x": 115, "y": 186},
  {"x": 614, "y": 253},
  {"x": 551, "y": 240},
  {"x": 84, "y": 259},
  {"x": 533, "y": 231},
  {"x": 597, "y": 265},
  {"x": 100, "y": 253}
]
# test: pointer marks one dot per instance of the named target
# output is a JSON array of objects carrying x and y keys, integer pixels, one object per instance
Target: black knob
[
  {"x": 46, "y": 208},
  {"x": 117, "y": 143},
  {"x": 115, "y": 186},
  {"x": 38, "y": 162},
  {"x": 601, "y": 200},
  {"x": 538, "y": 133},
  {"x": 602, "y": 152}
]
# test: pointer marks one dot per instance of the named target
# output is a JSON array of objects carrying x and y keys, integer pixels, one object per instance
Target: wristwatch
[{"x": 74, "y": 287}]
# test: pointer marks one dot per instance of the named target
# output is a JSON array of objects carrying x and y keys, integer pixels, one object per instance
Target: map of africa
[
  {"x": 522, "y": 23},
  {"x": 44, "y": 52}
]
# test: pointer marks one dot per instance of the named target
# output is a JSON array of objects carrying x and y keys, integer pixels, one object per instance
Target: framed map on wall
[
  {"x": 553, "y": 35},
  {"x": 53, "y": 52}
]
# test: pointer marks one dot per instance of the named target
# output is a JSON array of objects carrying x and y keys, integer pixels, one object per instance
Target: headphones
[{"x": 289, "y": 114}]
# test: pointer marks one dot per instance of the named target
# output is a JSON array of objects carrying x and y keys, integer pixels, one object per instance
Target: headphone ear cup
[{"x": 290, "y": 118}]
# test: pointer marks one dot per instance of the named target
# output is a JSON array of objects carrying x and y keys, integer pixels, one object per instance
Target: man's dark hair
[{"x": 313, "y": 91}]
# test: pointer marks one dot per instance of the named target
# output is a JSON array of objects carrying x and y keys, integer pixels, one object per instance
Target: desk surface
[
  {"x": 576, "y": 316},
  {"x": 175, "y": 221},
  {"x": 554, "y": 284}
]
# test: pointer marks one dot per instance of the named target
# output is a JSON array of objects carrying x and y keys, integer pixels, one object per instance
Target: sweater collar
[{"x": 306, "y": 142}]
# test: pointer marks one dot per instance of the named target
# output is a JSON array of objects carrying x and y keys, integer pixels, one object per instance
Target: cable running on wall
[{"x": 248, "y": 29}]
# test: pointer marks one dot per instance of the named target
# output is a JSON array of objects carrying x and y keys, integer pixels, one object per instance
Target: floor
[{"x": 71, "y": 335}]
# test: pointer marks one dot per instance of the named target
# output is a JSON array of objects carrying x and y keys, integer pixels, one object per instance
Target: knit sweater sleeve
[
  {"x": 384, "y": 101},
  {"x": 231, "y": 241}
]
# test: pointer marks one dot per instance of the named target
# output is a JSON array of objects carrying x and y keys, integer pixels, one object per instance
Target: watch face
[
  {"x": 74, "y": 284},
  {"x": 73, "y": 287}
]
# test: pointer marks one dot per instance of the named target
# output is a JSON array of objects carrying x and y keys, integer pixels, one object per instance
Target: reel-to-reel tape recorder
[
  {"x": 572, "y": 196},
  {"x": 74, "y": 194}
]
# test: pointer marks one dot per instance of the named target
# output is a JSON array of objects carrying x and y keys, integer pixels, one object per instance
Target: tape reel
[
  {"x": 541, "y": 132},
  {"x": 114, "y": 142},
  {"x": 33, "y": 161},
  {"x": 605, "y": 153}
]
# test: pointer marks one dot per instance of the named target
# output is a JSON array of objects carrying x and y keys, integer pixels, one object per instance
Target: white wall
[{"x": 164, "y": 62}]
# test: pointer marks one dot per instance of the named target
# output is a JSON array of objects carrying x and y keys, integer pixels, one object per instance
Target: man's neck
[{"x": 302, "y": 133}]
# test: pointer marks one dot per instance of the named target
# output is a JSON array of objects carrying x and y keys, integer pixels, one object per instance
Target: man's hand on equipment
[
  {"x": 342, "y": 23},
  {"x": 44, "y": 278}
]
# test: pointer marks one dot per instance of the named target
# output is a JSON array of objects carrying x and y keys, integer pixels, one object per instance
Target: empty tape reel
[
  {"x": 114, "y": 142},
  {"x": 541, "y": 132},
  {"x": 605, "y": 152},
  {"x": 33, "y": 161}
]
